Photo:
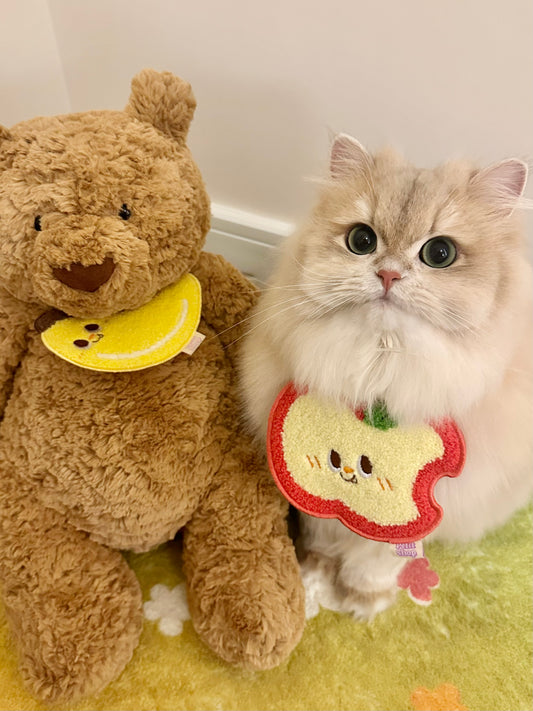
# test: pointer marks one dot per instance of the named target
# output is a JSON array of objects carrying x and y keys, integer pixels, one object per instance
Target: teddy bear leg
[
  {"x": 74, "y": 606},
  {"x": 245, "y": 592}
]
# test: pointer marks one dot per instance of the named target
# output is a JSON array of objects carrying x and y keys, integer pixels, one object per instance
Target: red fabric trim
[{"x": 430, "y": 512}]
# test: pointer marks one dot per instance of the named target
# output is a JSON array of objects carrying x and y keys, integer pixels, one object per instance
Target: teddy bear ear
[
  {"x": 163, "y": 100},
  {"x": 4, "y": 134}
]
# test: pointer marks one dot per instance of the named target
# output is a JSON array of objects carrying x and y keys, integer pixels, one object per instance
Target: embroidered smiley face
[
  {"x": 363, "y": 469},
  {"x": 93, "y": 335},
  {"x": 377, "y": 478},
  {"x": 131, "y": 340},
  {"x": 360, "y": 461}
]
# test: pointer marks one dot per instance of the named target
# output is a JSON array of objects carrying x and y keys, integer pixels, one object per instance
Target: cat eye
[
  {"x": 124, "y": 213},
  {"x": 439, "y": 252},
  {"x": 361, "y": 239},
  {"x": 37, "y": 223}
]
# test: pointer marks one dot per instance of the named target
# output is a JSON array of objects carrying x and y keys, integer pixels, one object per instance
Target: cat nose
[
  {"x": 387, "y": 277},
  {"x": 89, "y": 278}
]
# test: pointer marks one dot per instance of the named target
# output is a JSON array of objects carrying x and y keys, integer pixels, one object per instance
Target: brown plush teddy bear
[{"x": 99, "y": 213}]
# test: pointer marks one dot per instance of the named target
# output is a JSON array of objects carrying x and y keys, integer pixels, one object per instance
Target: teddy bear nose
[{"x": 85, "y": 278}]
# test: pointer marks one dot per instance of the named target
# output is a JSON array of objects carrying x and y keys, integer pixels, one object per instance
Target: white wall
[
  {"x": 437, "y": 78},
  {"x": 31, "y": 74}
]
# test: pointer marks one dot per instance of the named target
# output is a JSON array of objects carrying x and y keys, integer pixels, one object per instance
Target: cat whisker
[
  {"x": 463, "y": 324},
  {"x": 451, "y": 317},
  {"x": 274, "y": 305},
  {"x": 299, "y": 302},
  {"x": 317, "y": 279},
  {"x": 252, "y": 316},
  {"x": 303, "y": 284},
  {"x": 332, "y": 304},
  {"x": 307, "y": 270}
]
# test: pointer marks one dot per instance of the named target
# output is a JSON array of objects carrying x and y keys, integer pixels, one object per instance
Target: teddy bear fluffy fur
[{"x": 92, "y": 462}]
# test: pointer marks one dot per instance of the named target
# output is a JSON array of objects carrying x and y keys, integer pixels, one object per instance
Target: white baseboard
[{"x": 247, "y": 240}]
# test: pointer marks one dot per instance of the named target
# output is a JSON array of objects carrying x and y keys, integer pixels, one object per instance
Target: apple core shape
[{"x": 360, "y": 467}]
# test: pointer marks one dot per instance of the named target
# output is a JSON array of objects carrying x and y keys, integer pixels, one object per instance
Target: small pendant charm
[{"x": 418, "y": 579}]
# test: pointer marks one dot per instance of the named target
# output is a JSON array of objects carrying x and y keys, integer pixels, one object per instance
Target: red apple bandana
[{"x": 358, "y": 466}]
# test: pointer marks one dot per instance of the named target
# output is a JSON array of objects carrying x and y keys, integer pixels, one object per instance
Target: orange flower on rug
[{"x": 445, "y": 697}]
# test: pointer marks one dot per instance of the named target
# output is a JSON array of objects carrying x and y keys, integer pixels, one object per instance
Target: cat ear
[
  {"x": 348, "y": 157},
  {"x": 502, "y": 185}
]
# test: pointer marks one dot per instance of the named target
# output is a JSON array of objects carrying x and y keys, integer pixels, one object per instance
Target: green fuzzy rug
[{"x": 470, "y": 649}]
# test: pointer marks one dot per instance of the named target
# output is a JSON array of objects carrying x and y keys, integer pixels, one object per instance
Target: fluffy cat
[{"x": 411, "y": 287}]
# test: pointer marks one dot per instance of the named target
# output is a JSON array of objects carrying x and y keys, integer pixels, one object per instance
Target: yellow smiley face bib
[{"x": 133, "y": 340}]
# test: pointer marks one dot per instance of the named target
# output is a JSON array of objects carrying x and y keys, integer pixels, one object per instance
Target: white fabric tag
[{"x": 193, "y": 344}]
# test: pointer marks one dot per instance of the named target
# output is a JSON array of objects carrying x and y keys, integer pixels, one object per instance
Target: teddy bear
[{"x": 100, "y": 213}]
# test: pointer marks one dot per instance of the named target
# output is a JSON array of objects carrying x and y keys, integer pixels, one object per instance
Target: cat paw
[
  {"x": 360, "y": 591},
  {"x": 318, "y": 576},
  {"x": 365, "y": 592},
  {"x": 364, "y": 604}
]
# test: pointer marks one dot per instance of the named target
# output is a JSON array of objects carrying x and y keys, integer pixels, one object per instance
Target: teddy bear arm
[
  {"x": 227, "y": 296},
  {"x": 245, "y": 592},
  {"x": 74, "y": 606},
  {"x": 15, "y": 321}
]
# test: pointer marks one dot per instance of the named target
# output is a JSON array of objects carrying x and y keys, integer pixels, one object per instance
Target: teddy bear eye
[
  {"x": 91, "y": 327},
  {"x": 81, "y": 343},
  {"x": 37, "y": 223},
  {"x": 124, "y": 212}
]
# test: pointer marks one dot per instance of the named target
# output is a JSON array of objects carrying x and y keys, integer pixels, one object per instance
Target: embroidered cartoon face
[
  {"x": 131, "y": 340},
  {"x": 91, "y": 335},
  {"x": 375, "y": 477},
  {"x": 364, "y": 469}
]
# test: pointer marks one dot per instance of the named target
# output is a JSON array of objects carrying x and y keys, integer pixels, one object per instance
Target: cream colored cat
[{"x": 412, "y": 287}]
